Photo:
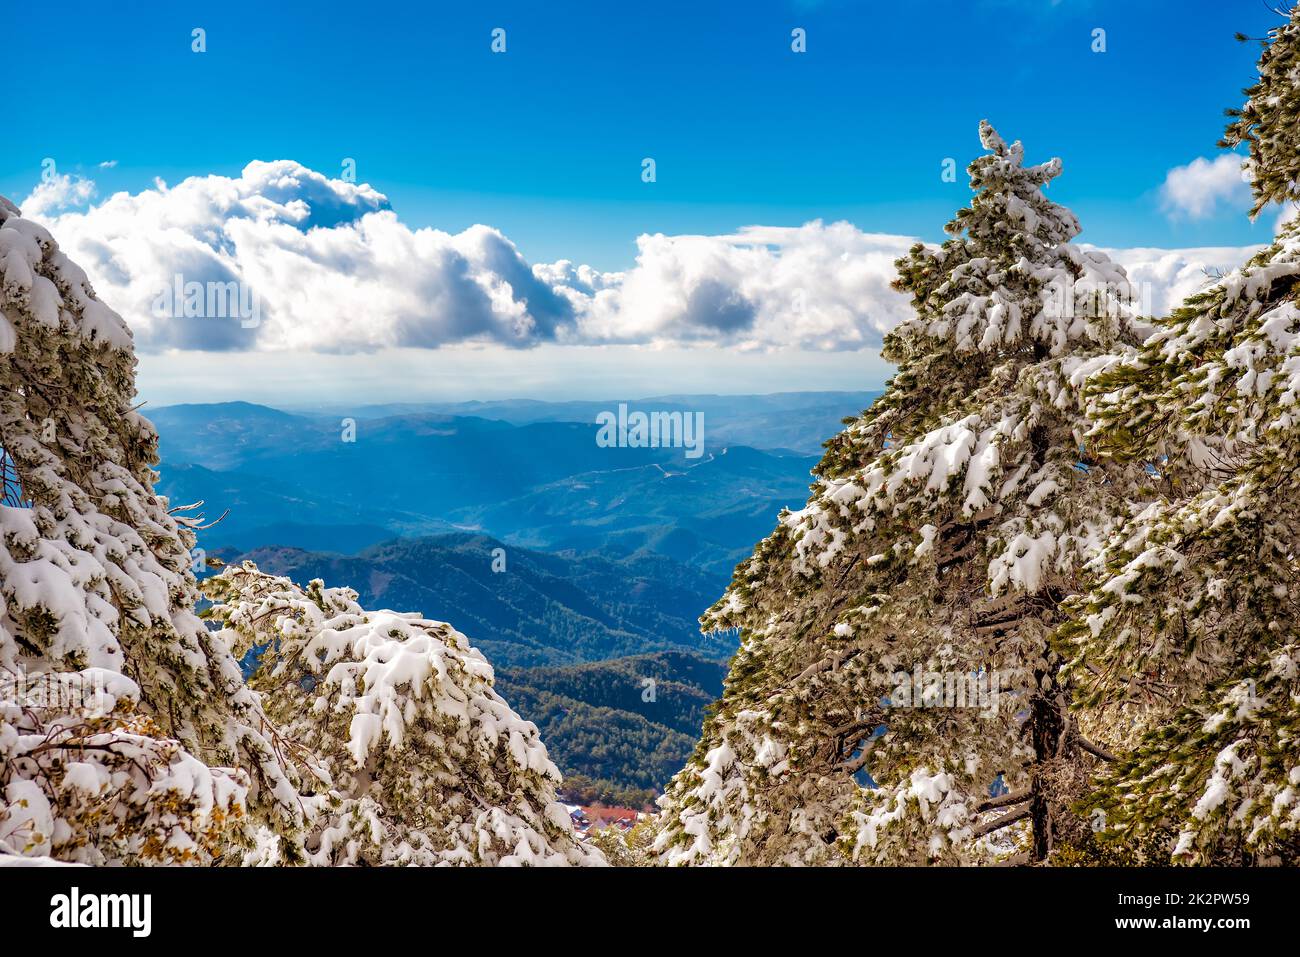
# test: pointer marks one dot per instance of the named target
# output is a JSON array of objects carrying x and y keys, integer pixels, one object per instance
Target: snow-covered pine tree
[
  {"x": 407, "y": 754},
  {"x": 127, "y": 732},
  {"x": 1187, "y": 649},
  {"x": 1268, "y": 120},
  {"x": 946, "y": 524},
  {"x": 121, "y": 717}
]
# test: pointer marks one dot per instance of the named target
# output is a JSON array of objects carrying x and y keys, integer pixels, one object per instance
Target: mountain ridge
[
  {"x": 544, "y": 485},
  {"x": 542, "y": 609}
]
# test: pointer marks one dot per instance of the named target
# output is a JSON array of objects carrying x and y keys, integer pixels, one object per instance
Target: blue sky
[{"x": 545, "y": 142}]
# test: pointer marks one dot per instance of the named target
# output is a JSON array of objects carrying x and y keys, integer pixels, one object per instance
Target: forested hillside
[
  {"x": 621, "y": 725},
  {"x": 524, "y": 607}
]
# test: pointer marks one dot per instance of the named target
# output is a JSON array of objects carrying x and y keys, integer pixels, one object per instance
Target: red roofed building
[{"x": 596, "y": 817}]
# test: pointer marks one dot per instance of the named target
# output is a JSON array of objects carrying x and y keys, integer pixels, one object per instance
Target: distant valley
[
  {"x": 537, "y": 481},
  {"x": 625, "y": 725},
  {"x": 541, "y": 609},
  {"x": 578, "y": 570}
]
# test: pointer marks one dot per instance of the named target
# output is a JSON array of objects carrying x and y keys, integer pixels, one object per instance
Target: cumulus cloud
[
  {"x": 330, "y": 268},
  {"x": 57, "y": 193},
  {"x": 1197, "y": 190},
  {"x": 1165, "y": 277},
  {"x": 326, "y": 263},
  {"x": 814, "y": 286}
]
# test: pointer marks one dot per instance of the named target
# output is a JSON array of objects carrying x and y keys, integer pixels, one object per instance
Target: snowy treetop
[
  {"x": 408, "y": 754},
  {"x": 943, "y": 526},
  {"x": 1268, "y": 119},
  {"x": 48, "y": 289},
  {"x": 1009, "y": 279}
]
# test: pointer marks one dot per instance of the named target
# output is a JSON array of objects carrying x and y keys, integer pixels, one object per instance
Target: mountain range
[
  {"x": 521, "y": 607},
  {"x": 579, "y": 570},
  {"x": 322, "y": 482},
  {"x": 793, "y": 421}
]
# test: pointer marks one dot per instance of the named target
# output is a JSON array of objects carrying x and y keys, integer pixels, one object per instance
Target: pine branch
[
  {"x": 832, "y": 662},
  {"x": 1015, "y": 860},
  {"x": 855, "y": 765},
  {"x": 1006, "y": 800},
  {"x": 1092, "y": 749},
  {"x": 1001, "y": 822}
]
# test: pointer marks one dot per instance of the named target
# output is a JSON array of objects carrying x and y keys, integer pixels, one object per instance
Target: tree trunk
[{"x": 1047, "y": 725}]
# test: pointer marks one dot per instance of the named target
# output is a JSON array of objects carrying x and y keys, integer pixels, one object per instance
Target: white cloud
[
  {"x": 1168, "y": 276},
  {"x": 333, "y": 270},
  {"x": 327, "y": 263},
  {"x": 814, "y": 286},
  {"x": 108, "y": 164},
  {"x": 1196, "y": 190},
  {"x": 57, "y": 193}
]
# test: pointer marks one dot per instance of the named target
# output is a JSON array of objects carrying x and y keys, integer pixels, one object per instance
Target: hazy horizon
[
  {"x": 324, "y": 407},
  {"x": 546, "y": 373}
]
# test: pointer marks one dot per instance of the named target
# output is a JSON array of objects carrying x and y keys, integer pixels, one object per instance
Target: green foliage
[
  {"x": 543, "y": 609},
  {"x": 1268, "y": 121},
  {"x": 584, "y": 790},
  {"x": 599, "y": 725},
  {"x": 1183, "y": 647},
  {"x": 631, "y": 848}
]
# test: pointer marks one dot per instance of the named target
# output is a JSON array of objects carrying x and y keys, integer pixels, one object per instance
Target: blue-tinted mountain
[
  {"x": 541, "y": 484},
  {"x": 707, "y": 513},
  {"x": 796, "y": 421},
  {"x": 270, "y": 510},
  {"x": 543, "y": 609}
]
